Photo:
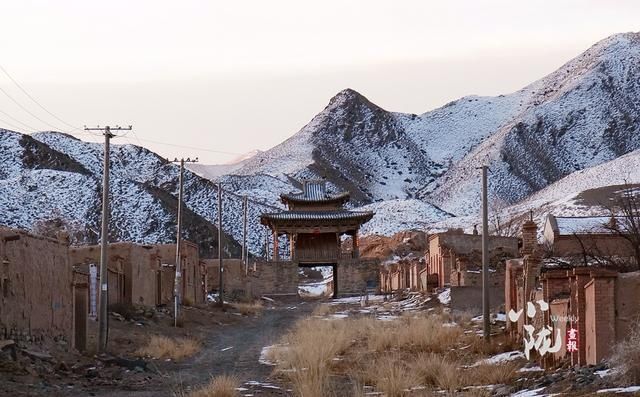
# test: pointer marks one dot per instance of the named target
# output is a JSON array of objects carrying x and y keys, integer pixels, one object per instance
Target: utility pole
[
  {"x": 103, "y": 318},
  {"x": 177, "y": 299},
  {"x": 485, "y": 258},
  {"x": 245, "y": 251},
  {"x": 220, "y": 270}
]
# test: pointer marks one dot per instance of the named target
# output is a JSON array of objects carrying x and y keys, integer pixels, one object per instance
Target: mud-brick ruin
[{"x": 314, "y": 226}]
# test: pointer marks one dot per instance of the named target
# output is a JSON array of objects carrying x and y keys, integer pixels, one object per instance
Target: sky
[{"x": 216, "y": 79}]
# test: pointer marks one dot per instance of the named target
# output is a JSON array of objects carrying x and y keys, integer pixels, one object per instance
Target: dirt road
[{"x": 228, "y": 349}]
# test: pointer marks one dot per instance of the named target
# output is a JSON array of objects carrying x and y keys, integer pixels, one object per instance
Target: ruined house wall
[
  {"x": 627, "y": 304},
  {"x": 445, "y": 249},
  {"x": 36, "y": 292},
  {"x": 136, "y": 274}
]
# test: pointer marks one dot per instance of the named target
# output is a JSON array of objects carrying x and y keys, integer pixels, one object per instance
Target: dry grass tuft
[
  {"x": 392, "y": 375},
  {"x": 220, "y": 386},
  {"x": 422, "y": 334},
  {"x": 164, "y": 347},
  {"x": 491, "y": 374},
  {"x": 248, "y": 308},
  {"x": 437, "y": 371},
  {"x": 626, "y": 359},
  {"x": 312, "y": 345}
]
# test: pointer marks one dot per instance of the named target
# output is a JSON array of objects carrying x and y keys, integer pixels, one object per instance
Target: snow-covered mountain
[
  {"x": 51, "y": 175},
  {"x": 584, "y": 114},
  {"x": 545, "y": 144}
]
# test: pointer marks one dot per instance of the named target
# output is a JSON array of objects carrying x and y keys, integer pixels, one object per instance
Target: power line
[
  {"x": 33, "y": 99},
  {"x": 189, "y": 147},
  {"x": 18, "y": 121},
  {"x": 27, "y": 110}
]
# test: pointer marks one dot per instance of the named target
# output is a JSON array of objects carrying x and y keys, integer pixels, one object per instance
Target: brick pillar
[
  {"x": 579, "y": 278},
  {"x": 512, "y": 272},
  {"x": 529, "y": 237},
  {"x": 600, "y": 316}
]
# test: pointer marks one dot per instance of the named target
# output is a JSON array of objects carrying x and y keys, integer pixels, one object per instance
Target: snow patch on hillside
[{"x": 397, "y": 215}]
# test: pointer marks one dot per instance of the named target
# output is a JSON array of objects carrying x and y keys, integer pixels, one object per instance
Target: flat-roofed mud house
[
  {"x": 595, "y": 236},
  {"x": 314, "y": 225},
  {"x": 145, "y": 274},
  {"x": 37, "y": 289}
]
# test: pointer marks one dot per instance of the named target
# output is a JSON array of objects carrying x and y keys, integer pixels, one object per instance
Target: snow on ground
[
  {"x": 618, "y": 390},
  {"x": 501, "y": 358},
  {"x": 318, "y": 288},
  {"x": 445, "y": 296},
  {"x": 529, "y": 393},
  {"x": 268, "y": 351}
]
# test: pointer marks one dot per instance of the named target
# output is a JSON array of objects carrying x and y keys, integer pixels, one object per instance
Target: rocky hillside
[{"x": 52, "y": 176}]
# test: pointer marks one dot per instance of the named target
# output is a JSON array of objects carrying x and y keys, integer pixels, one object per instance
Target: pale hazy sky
[{"x": 233, "y": 76}]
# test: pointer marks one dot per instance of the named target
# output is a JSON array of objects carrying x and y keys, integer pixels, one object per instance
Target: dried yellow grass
[
  {"x": 421, "y": 334},
  {"x": 392, "y": 376},
  {"x": 164, "y": 347},
  {"x": 220, "y": 386},
  {"x": 437, "y": 371},
  {"x": 312, "y": 345},
  {"x": 247, "y": 308},
  {"x": 491, "y": 374}
]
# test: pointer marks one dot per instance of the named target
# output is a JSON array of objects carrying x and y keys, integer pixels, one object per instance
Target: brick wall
[{"x": 600, "y": 334}]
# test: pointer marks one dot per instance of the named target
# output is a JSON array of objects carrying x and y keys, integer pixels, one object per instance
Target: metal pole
[
  {"x": 220, "y": 270},
  {"x": 485, "y": 258},
  {"x": 178, "y": 277},
  {"x": 103, "y": 326},
  {"x": 245, "y": 251}
]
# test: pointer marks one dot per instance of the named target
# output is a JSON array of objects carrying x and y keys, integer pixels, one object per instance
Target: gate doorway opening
[{"x": 317, "y": 281}]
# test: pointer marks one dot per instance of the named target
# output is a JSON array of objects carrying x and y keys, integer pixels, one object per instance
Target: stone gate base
[{"x": 354, "y": 277}]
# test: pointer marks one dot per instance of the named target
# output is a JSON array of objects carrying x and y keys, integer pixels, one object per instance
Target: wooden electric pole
[
  {"x": 103, "y": 318},
  {"x": 220, "y": 270},
  {"x": 486, "y": 324},
  {"x": 245, "y": 251},
  {"x": 177, "y": 298}
]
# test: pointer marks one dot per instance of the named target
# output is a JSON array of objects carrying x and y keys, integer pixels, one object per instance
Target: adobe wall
[
  {"x": 595, "y": 244},
  {"x": 357, "y": 276},
  {"x": 627, "y": 303},
  {"x": 36, "y": 292},
  {"x": 470, "y": 299},
  {"x": 275, "y": 278},
  {"x": 234, "y": 278},
  {"x": 464, "y": 244}
]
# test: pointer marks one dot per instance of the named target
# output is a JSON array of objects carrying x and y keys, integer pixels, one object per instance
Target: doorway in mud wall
[{"x": 318, "y": 280}]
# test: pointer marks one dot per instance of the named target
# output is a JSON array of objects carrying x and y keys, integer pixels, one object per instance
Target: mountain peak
[{"x": 349, "y": 96}]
